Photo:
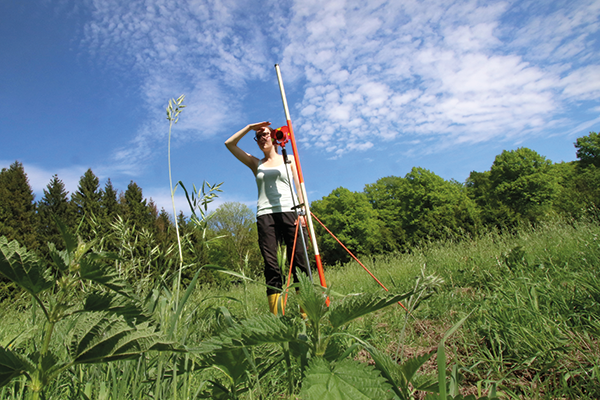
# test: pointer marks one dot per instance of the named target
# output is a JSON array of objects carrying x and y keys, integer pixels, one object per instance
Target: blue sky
[{"x": 374, "y": 87}]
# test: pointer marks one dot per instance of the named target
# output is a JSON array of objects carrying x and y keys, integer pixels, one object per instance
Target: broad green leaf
[
  {"x": 233, "y": 363},
  {"x": 61, "y": 259},
  {"x": 256, "y": 331},
  {"x": 114, "y": 303},
  {"x": 410, "y": 367},
  {"x": 102, "y": 338},
  {"x": 312, "y": 299},
  {"x": 347, "y": 379},
  {"x": 13, "y": 365},
  {"x": 23, "y": 267},
  {"x": 355, "y": 306},
  {"x": 92, "y": 269},
  {"x": 386, "y": 366}
]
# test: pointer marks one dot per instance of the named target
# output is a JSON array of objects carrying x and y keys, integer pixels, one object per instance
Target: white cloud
[
  {"x": 460, "y": 72},
  {"x": 583, "y": 84},
  {"x": 199, "y": 48},
  {"x": 433, "y": 68}
]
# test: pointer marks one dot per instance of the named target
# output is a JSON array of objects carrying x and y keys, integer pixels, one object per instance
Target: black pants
[{"x": 274, "y": 229}]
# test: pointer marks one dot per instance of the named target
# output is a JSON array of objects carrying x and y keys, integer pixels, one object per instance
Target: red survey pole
[{"x": 301, "y": 179}]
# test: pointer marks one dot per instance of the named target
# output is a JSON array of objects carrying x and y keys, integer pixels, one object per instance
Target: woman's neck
[{"x": 271, "y": 154}]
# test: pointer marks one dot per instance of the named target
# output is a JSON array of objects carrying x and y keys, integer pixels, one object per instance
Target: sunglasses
[{"x": 265, "y": 135}]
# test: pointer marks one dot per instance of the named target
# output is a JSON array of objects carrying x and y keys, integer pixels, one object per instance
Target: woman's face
[{"x": 263, "y": 138}]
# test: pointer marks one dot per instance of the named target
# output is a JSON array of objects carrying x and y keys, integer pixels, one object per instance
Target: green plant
[
  {"x": 173, "y": 110},
  {"x": 306, "y": 347},
  {"x": 87, "y": 310}
]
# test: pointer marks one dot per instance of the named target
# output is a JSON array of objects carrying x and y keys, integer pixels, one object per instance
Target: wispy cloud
[
  {"x": 199, "y": 48},
  {"x": 457, "y": 71},
  {"x": 370, "y": 72}
]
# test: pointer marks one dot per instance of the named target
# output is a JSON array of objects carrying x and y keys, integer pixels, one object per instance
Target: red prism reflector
[{"x": 281, "y": 135}]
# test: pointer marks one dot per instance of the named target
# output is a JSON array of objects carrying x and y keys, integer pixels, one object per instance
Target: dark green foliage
[
  {"x": 18, "y": 220},
  {"x": 87, "y": 206},
  {"x": 588, "y": 149},
  {"x": 23, "y": 267},
  {"x": 165, "y": 232},
  {"x": 350, "y": 216},
  {"x": 580, "y": 189},
  {"x": 423, "y": 206},
  {"x": 101, "y": 325},
  {"x": 109, "y": 210},
  {"x": 520, "y": 187},
  {"x": 54, "y": 204},
  {"x": 11, "y": 366},
  {"x": 136, "y": 209}
]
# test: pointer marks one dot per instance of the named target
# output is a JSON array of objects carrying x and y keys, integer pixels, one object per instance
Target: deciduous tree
[
  {"x": 523, "y": 184},
  {"x": 588, "y": 149},
  {"x": 351, "y": 217},
  {"x": 422, "y": 205},
  {"x": 235, "y": 224}
]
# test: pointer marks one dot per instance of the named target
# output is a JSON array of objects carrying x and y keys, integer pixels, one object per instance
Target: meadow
[{"x": 506, "y": 315}]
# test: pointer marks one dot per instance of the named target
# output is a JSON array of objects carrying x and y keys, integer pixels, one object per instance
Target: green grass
[{"x": 533, "y": 299}]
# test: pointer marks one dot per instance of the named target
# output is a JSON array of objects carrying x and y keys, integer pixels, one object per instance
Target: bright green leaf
[
  {"x": 13, "y": 365},
  {"x": 23, "y": 267},
  {"x": 347, "y": 379}
]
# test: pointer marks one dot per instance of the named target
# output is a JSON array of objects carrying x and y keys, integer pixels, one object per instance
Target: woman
[{"x": 275, "y": 217}]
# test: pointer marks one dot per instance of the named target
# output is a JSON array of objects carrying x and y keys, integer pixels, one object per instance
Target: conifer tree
[
  {"x": 165, "y": 230},
  {"x": 54, "y": 203},
  {"x": 166, "y": 238},
  {"x": 137, "y": 210},
  {"x": 18, "y": 220},
  {"x": 86, "y": 201},
  {"x": 109, "y": 203}
]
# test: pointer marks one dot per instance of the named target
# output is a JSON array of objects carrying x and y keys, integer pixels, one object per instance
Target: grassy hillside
[{"x": 532, "y": 301}]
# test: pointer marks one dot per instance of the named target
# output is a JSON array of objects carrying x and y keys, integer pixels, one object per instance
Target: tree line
[
  {"x": 125, "y": 223},
  {"x": 398, "y": 213},
  {"x": 392, "y": 214}
]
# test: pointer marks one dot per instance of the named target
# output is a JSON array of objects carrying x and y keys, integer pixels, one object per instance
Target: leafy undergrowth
[{"x": 513, "y": 316}]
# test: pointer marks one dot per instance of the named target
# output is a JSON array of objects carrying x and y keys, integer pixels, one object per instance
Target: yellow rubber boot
[
  {"x": 273, "y": 302},
  {"x": 303, "y": 313}
]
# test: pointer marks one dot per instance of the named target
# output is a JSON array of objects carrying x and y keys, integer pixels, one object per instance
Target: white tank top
[{"x": 274, "y": 193}]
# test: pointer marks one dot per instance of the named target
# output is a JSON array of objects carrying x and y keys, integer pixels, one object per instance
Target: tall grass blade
[{"x": 182, "y": 303}]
